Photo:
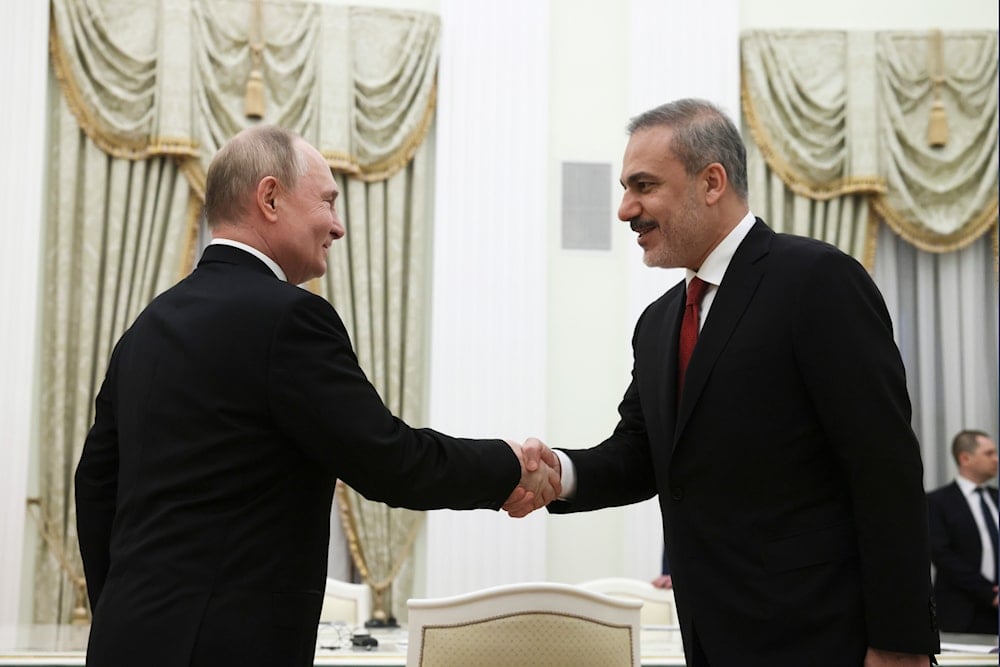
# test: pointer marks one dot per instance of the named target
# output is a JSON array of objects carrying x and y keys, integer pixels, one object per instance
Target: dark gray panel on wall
[{"x": 586, "y": 206}]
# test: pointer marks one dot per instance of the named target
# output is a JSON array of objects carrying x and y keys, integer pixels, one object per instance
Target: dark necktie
[
  {"x": 689, "y": 328},
  {"x": 991, "y": 527}
]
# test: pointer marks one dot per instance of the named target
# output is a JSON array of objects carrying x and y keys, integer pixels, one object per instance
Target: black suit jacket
[
  {"x": 964, "y": 596},
  {"x": 789, "y": 479},
  {"x": 229, "y": 409}
]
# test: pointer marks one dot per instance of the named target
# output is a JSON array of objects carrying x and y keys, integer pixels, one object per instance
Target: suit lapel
[
  {"x": 731, "y": 300},
  {"x": 669, "y": 337}
]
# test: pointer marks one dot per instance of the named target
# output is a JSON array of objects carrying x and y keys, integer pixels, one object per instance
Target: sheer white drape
[
  {"x": 944, "y": 311},
  {"x": 488, "y": 336},
  {"x": 24, "y": 47}
]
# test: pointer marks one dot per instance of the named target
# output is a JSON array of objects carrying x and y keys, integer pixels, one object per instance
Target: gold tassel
[
  {"x": 937, "y": 126},
  {"x": 253, "y": 102}
]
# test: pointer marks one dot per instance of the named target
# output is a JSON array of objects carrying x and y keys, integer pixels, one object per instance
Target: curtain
[
  {"x": 150, "y": 91},
  {"x": 907, "y": 119},
  {"x": 885, "y": 145},
  {"x": 939, "y": 197},
  {"x": 115, "y": 237}
]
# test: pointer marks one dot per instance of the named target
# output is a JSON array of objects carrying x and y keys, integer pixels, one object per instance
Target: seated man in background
[{"x": 963, "y": 525}]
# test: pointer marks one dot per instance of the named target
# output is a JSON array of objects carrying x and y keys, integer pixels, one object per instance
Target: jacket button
[{"x": 677, "y": 493}]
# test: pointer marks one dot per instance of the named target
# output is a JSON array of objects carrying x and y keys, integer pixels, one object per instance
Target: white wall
[
  {"x": 487, "y": 331},
  {"x": 587, "y": 361}
]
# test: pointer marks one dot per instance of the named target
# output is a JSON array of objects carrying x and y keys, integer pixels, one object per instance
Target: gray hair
[
  {"x": 703, "y": 134},
  {"x": 253, "y": 154}
]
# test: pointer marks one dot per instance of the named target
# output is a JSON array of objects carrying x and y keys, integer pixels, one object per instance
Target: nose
[
  {"x": 337, "y": 229},
  {"x": 629, "y": 208}
]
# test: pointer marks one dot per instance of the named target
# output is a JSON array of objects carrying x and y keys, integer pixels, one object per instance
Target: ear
[
  {"x": 266, "y": 197},
  {"x": 716, "y": 182}
]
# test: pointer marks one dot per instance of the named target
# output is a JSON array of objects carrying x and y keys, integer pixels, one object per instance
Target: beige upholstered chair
[
  {"x": 536, "y": 624},
  {"x": 350, "y": 603},
  {"x": 658, "y": 606}
]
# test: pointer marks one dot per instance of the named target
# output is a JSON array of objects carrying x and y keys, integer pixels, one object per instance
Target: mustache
[{"x": 640, "y": 225}]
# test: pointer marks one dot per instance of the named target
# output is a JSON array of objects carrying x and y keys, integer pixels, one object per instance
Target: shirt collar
[
  {"x": 967, "y": 486},
  {"x": 271, "y": 264},
  {"x": 714, "y": 267}
]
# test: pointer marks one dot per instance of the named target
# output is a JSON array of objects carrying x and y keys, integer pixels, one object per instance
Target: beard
[{"x": 678, "y": 242}]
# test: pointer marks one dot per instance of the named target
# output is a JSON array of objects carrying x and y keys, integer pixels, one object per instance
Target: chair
[
  {"x": 534, "y": 624},
  {"x": 350, "y": 603},
  {"x": 658, "y": 607}
]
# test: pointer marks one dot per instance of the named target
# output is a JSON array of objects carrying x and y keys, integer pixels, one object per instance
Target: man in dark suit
[
  {"x": 789, "y": 479},
  {"x": 230, "y": 408},
  {"x": 963, "y": 520}
]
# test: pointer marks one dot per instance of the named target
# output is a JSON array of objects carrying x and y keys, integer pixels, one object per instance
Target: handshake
[{"x": 540, "y": 478}]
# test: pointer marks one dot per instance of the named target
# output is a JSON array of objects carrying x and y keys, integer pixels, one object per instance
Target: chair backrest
[
  {"x": 350, "y": 603},
  {"x": 536, "y": 624},
  {"x": 658, "y": 607}
]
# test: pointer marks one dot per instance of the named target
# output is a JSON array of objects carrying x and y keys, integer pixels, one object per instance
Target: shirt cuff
[{"x": 568, "y": 476}]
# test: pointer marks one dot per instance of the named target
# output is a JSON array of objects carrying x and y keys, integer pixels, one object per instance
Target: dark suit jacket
[
  {"x": 228, "y": 411},
  {"x": 964, "y": 596},
  {"x": 789, "y": 479}
]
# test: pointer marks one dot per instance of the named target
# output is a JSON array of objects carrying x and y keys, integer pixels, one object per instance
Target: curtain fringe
[
  {"x": 345, "y": 506},
  {"x": 189, "y": 256},
  {"x": 931, "y": 241},
  {"x": 871, "y": 240}
]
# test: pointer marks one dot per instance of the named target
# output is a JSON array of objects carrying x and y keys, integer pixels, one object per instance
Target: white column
[
  {"x": 23, "y": 115},
  {"x": 488, "y": 326},
  {"x": 676, "y": 49}
]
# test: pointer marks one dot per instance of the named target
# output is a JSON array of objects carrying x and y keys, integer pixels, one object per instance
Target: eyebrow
[{"x": 638, "y": 176}]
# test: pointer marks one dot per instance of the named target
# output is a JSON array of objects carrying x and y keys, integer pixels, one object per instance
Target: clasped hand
[{"x": 540, "y": 478}]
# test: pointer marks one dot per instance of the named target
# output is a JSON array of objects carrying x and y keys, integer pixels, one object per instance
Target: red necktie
[{"x": 689, "y": 328}]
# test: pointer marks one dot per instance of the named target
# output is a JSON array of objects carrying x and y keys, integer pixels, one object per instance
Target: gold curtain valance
[
  {"x": 847, "y": 112},
  {"x": 168, "y": 77}
]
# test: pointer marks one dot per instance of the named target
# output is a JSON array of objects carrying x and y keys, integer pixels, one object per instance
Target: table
[{"x": 65, "y": 645}]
